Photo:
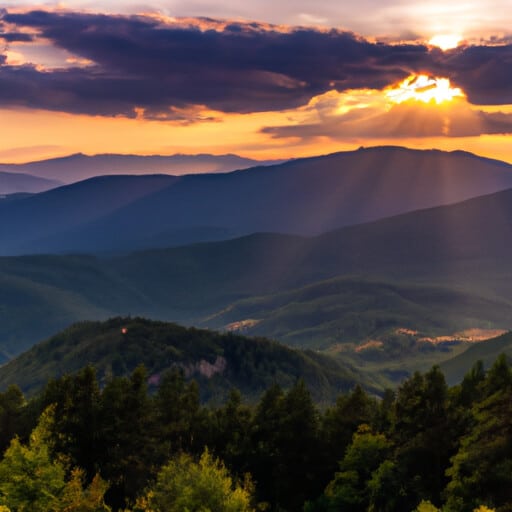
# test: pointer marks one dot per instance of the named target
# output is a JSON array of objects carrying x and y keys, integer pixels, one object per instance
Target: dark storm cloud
[
  {"x": 11, "y": 37},
  {"x": 239, "y": 67},
  {"x": 484, "y": 72},
  {"x": 138, "y": 62}
]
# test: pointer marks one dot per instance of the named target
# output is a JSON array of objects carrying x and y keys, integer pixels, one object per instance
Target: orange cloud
[{"x": 433, "y": 109}]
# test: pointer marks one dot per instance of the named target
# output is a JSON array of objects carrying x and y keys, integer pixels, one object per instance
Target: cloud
[
  {"x": 140, "y": 62},
  {"x": 159, "y": 66},
  {"x": 11, "y": 37},
  {"x": 367, "y": 114},
  {"x": 484, "y": 72}
]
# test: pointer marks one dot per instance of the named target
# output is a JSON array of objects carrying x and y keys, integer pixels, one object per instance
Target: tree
[
  {"x": 11, "y": 403},
  {"x": 265, "y": 455},
  {"x": 75, "y": 426},
  {"x": 231, "y": 425},
  {"x": 178, "y": 413},
  {"x": 341, "y": 422},
  {"x": 424, "y": 437},
  {"x": 481, "y": 471},
  {"x": 203, "y": 486},
  {"x": 76, "y": 498},
  {"x": 299, "y": 457},
  {"x": 31, "y": 481},
  {"x": 127, "y": 435},
  {"x": 351, "y": 490}
]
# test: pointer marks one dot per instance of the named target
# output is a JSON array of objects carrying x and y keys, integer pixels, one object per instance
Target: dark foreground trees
[{"x": 121, "y": 447}]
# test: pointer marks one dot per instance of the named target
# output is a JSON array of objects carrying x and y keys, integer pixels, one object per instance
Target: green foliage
[
  {"x": 426, "y": 506},
  {"x": 76, "y": 497},
  {"x": 424, "y": 446},
  {"x": 31, "y": 480},
  {"x": 203, "y": 486},
  {"x": 341, "y": 421},
  {"x": 356, "y": 483},
  {"x": 424, "y": 436},
  {"x": 481, "y": 471}
]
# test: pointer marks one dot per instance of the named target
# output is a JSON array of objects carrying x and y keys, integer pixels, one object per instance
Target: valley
[{"x": 356, "y": 292}]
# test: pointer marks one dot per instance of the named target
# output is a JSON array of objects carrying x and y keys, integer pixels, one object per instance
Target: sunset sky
[{"x": 261, "y": 79}]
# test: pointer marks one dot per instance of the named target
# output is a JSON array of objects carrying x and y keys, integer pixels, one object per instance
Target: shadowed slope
[
  {"x": 12, "y": 183},
  {"x": 305, "y": 197}
]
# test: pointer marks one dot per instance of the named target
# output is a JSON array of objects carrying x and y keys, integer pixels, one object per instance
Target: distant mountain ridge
[
  {"x": 305, "y": 197},
  {"x": 14, "y": 183},
  {"x": 79, "y": 167},
  {"x": 62, "y": 208}
]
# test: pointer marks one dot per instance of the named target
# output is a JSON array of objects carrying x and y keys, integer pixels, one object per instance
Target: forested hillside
[
  {"x": 125, "y": 445},
  {"x": 219, "y": 361}
]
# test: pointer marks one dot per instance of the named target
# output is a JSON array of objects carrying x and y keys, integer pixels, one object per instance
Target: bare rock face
[{"x": 205, "y": 368}]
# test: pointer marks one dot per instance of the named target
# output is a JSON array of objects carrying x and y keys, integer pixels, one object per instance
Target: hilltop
[{"x": 218, "y": 361}]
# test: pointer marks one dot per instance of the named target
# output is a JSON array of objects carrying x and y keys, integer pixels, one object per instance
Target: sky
[{"x": 261, "y": 79}]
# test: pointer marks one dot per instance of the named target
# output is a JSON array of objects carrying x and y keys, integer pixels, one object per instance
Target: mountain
[
  {"x": 468, "y": 244},
  {"x": 79, "y": 167},
  {"x": 305, "y": 197},
  {"x": 218, "y": 361},
  {"x": 435, "y": 270},
  {"x": 13, "y": 183},
  {"x": 62, "y": 208}
]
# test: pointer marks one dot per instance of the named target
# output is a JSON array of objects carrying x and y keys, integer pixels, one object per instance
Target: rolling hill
[
  {"x": 445, "y": 268},
  {"x": 305, "y": 197},
  {"x": 60, "y": 209},
  {"x": 14, "y": 183},
  {"x": 350, "y": 310},
  {"x": 218, "y": 361},
  {"x": 468, "y": 244}
]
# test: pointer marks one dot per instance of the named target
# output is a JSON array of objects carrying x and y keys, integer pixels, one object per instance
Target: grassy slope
[
  {"x": 42, "y": 294},
  {"x": 351, "y": 309},
  {"x": 252, "y": 364},
  {"x": 455, "y": 368}
]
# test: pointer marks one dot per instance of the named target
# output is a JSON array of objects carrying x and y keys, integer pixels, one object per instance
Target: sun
[
  {"x": 446, "y": 41},
  {"x": 424, "y": 88}
]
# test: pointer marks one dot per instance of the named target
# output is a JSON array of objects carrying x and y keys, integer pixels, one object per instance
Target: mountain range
[
  {"x": 371, "y": 291},
  {"x": 302, "y": 197},
  {"x": 79, "y": 167},
  {"x": 436, "y": 270}
]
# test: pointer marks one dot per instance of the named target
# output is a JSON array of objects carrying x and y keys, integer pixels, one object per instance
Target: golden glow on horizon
[
  {"x": 404, "y": 114},
  {"x": 446, "y": 41},
  {"x": 425, "y": 89}
]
